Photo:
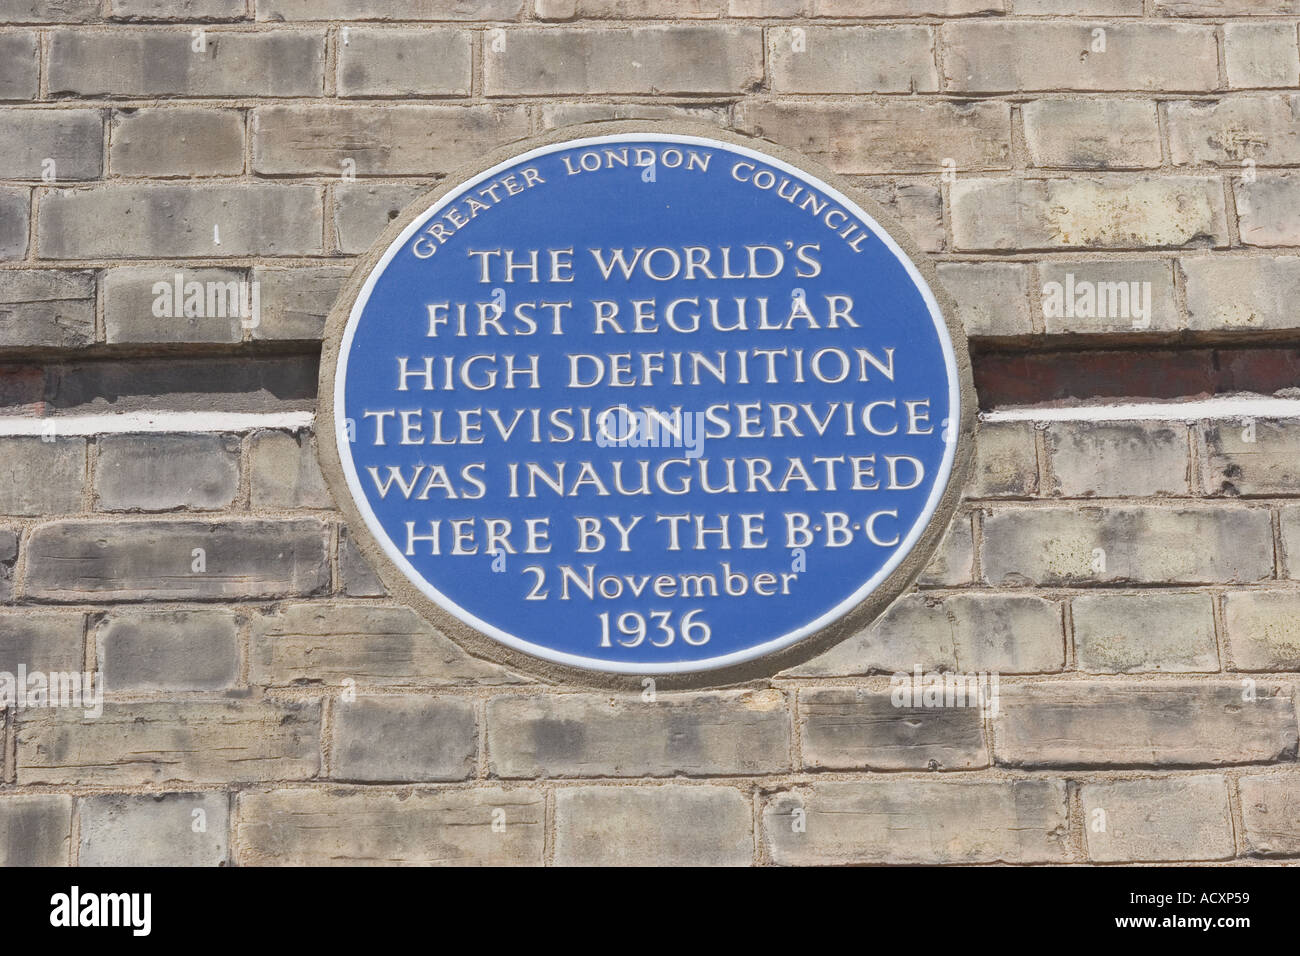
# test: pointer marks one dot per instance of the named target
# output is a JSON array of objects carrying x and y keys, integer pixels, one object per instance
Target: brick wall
[{"x": 1135, "y": 584}]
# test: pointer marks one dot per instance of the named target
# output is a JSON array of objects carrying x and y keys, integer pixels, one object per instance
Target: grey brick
[
  {"x": 1291, "y": 541},
  {"x": 165, "y": 829},
  {"x": 370, "y": 644},
  {"x": 669, "y": 825},
  {"x": 1261, "y": 55},
  {"x": 917, "y": 207},
  {"x": 47, "y": 308},
  {"x": 1265, "y": 210},
  {"x": 35, "y": 829},
  {"x": 144, "y": 650},
  {"x": 570, "y": 113},
  {"x": 1144, "y": 632},
  {"x": 295, "y": 302},
  {"x": 1146, "y": 212},
  {"x": 1173, "y": 818},
  {"x": 18, "y": 65},
  {"x": 888, "y": 137},
  {"x": 390, "y": 62},
  {"x": 640, "y": 59},
  {"x": 1073, "y": 545},
  {"x": 953, "y": 562},
  {"x": 404, "y": 739},
  {"x": 147, "y": 221},
  {"x": 845, "y": 728},
  {"x": 165, "y": 472},
  {"x": 177, "y": 9},
  {"x": 1006, "y": 461},
  {"x": 628, "y": 9},
  {"x": 1111, "y": 302},
  {"x": 1227, "y": 8},
  {"x": 72, "y": 139},
  {"x": 1116, "y": 460},
  {"x": 395, "y": 140},
  {"x": 15, "y": 209},
  {"x": 39, "y": 477},
  {"x": 145, "y": 559},
  {"x": 1265, "y": 129},
  {"x": 208, "y": 308},
  {"x": 1259, "y": 458},
  {"x": 359, "y": 579},
  {"x": 389, "y": 10},
  {"x": 589, "y": 735},
  {"x": 1009, "y": 56},
  {"x": 177, "y": 141},
  {"x": 1263, "y": 629},
  {"x": 41, "y": 641},
  {"x": 992, "y": 297},
  {"x": 285, "y": 472},
  {"x": 155, "y": 743},
  {"x": 1092, "y": 133},
  {"x": 1270, "y": 811},
  {"x": 8, "y": 558},
  {"x": 49, "y": 11},
  {"x": 299, "y": 827},
  {"x": 1003, "y": 633},
  {"x": 1241, "y": 293},
  {"x": 1085, "y": 723},
  {"x": 911, "y": 821},
  {"x": 161, "y": 62},
  {"x": 362, "y": 211},
  {"x": 848, "y": 59}
]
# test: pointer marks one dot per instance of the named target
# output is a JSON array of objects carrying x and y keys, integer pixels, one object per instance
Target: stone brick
[
  {"x": 300, "y": 827},
  {"x": 8, "y": 558},
  {"x": 1011, "y": 56},
  {"x": 359, "y": 579},
  {"x": 594, "y": 735},
  {"x": 992, "y": 297},
  {"x": 1116, "y": 459},
  {"x": 388, "y": 62},
  {"x": 1270, "y": 812},
  {"x": 889, "y": 137},
  {"x": 1241, "y": 293},
  {"x": 35, "y": 829},
  {"x": 49, "y": 11},
  {"x": 874, "y": 59},
  {"x": 1116, "y": 303},
  {"x": 1263, "y": 630},
  {"x": 846, "y": 728},
  {"x": 371, "y": 644},
  {"x": 1265, "y": 211},
  {"x": 42, "y": 641},
  {"x": 1227, "y": 8},
  {"x": 629, "y": 9},
  {"x": 1148, "y": 632},
  {"x": 18, "y": 65},
  {"x": 161, "y": 62},
  {"x": 404, "y": 739},
  {"x": 1261, "y": 55},
  {"x": 913, "y": 821},
  {"x": 362, "y": 211},
  {"x": 179, "y": 141},
  {"x": 156, "y": 743},
  {"x": 142, "y": 650},
  {"x": 285, "y": 472},
  {"x": 953, "y": 562},
  {"x": 1265, "y": 129},
  {"x": 46, "y": 308},
  {"x": 853, "y": 8},
  {"x": 131, "y": 305},
  {"x": 1073, "y": 545},
  {"x": 166, "y": 472},
  {"x": 1003, "y": 633},
  {"x": 148, "y": 221},
  {"x": 663, "y": 60},
  {"x": 15, "y": 209},
  {"x": 1006, "y": 461},
  {"x": 1092, "y": 133},
  {"x": 389, "y": 10},
  {"x": 30, "y": 139},
  {"x": 395, "y": 140},
  {"x": 296, "y": 302},
  {"x": 165, "y": 829},
  {"x": 1079, "y": 8},
  {"x": 177, "y": 9},
  {"x": 153, "y": 560},
  {"x": 1291, "y": 541},
  {"x": 916, "y": 206},
  {"x": 40, "y": 477},
  {"x": 1261, "y": 457},
  {"x": 1086, "y": 723},
  {"x": 671, "y": 825},
  {"x": 1172, "y": 818},
  {"x": 1151, "y": 211},
  {"x": 569, "y": 113}
]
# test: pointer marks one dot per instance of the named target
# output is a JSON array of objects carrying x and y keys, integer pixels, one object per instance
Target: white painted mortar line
[
  {"x": 110, "y": 423},
  {"x": 1227, "y": 407}
]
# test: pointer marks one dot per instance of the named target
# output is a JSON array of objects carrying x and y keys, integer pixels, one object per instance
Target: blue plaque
[{"x": 645, "y": 402}]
